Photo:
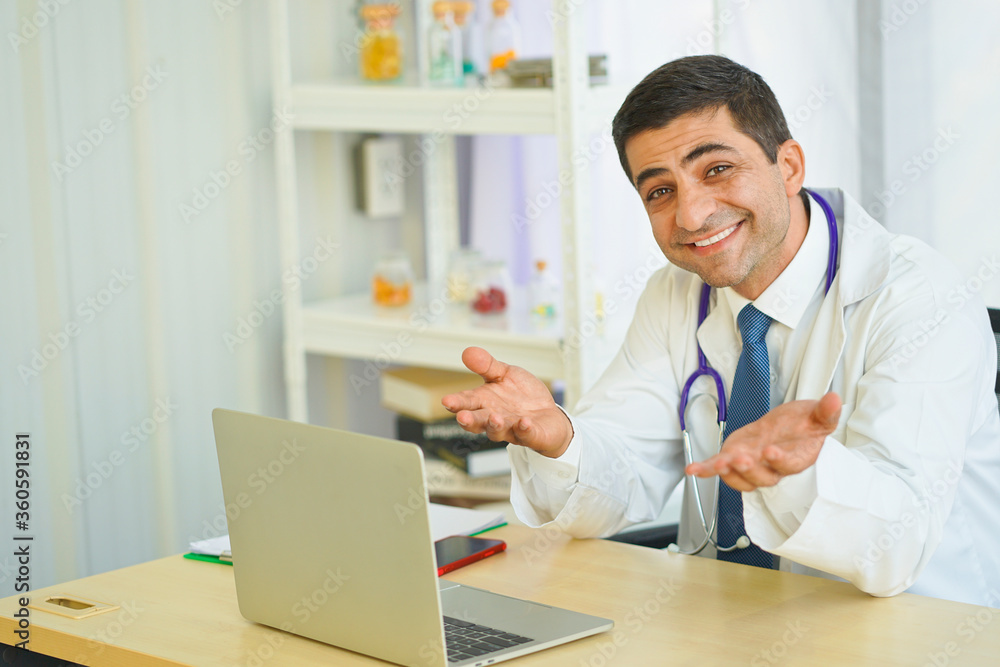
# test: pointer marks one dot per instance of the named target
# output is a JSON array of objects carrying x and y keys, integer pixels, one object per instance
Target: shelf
[
  {"x": 351, "y": 326},
  {"x": 377, "y": 108},
  {"x": 429, "y": 333}
]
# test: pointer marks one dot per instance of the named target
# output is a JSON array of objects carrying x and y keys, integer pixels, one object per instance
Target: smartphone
[{"x": 457, "y": 551}]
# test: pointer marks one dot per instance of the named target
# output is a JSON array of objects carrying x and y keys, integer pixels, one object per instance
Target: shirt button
[{"x": 564, "y": 474}]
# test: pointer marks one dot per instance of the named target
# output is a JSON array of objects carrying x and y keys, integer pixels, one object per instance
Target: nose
[{"x": 695, "y": 205}]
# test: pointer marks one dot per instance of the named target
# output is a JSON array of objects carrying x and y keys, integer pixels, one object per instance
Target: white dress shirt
[{"x": 905, "y": 494}]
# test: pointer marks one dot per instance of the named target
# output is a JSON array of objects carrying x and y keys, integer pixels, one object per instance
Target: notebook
[{"x": 333, "y": 542}]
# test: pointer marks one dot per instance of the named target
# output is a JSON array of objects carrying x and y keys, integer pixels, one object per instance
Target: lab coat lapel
[{"x": 863, "y": 267}]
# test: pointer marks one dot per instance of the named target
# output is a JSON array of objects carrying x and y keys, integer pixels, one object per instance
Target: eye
[
  {"x": 656, "y": 193},
  {"x": 719, "y": 168}
]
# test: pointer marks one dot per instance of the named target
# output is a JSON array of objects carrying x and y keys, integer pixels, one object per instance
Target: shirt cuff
[
  {"x": 773, "y": 514},
  {"x": 563, "y": 471}
]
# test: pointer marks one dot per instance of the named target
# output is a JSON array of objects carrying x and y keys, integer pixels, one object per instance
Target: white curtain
[
  {"x": 116, "y": 299},
  {"x": 941, "y": 76}
]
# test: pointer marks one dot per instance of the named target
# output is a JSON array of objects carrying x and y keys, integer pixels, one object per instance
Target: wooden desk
[{"x": 668, "y": 609}]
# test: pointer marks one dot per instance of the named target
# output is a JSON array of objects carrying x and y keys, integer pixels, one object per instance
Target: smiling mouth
[{"x": 712, "y": 240}]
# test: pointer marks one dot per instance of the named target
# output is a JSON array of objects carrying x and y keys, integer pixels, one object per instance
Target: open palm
[{"x": 512, "y": 405}]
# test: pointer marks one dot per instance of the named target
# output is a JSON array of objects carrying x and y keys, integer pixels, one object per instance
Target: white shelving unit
[{"x": 350, "y": 325}]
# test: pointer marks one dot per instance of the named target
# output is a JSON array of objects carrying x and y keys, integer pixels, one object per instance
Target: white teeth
[{"x": 718, "y": 237}]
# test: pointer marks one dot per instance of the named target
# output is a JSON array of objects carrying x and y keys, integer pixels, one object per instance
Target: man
[{"x": 863, "y": 439}]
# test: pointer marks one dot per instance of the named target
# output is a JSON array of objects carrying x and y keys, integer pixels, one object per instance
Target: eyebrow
[{"x": 696, "y": 152}]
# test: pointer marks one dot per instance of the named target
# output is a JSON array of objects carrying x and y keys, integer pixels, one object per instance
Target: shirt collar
[{"x": 786, "y": 299}]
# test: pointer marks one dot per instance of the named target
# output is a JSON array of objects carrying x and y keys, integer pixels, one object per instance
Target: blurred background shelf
[
  {"x": 348, "y": 325},
  {"x": 428, "y": 332},
  {"x": 357, "y": 107}
]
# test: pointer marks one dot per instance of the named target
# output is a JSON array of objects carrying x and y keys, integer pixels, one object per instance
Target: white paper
[{"x": 211, "y": 547}]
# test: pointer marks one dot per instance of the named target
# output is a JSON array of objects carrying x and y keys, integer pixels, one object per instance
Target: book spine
[
  {"x": 447, "y": 434},
  {"x": 444, "y": 479},
  {"x": 465, "y": 445},
  {"x": 447, "y": 455}
]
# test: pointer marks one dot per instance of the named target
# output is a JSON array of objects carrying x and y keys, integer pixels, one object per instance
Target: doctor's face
[{"x": 718, "y": 207}]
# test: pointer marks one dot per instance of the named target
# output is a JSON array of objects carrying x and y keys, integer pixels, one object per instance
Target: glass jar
[
  {"x": 381, "y": 49},
  {"x": 444, "y": 48},
  {"x": 392, "y": 283},
  {"x": 462, "y": 267},
  {"x": 504, "y": 36},
  {"x": 491, "y": 288},
  {"x": 471, "y": 42}
]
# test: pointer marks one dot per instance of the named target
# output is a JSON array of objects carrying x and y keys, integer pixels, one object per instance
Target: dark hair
[{"x": 696, "y": 84}]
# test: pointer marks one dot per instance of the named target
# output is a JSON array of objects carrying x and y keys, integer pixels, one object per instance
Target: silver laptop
[{"x": 331, "y": 540}]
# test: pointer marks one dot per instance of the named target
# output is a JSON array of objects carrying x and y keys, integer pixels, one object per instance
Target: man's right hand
[{"x": 512, "y": 405}]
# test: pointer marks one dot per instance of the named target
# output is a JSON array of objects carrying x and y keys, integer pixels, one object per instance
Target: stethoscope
[{"x": 704, "y": 369}]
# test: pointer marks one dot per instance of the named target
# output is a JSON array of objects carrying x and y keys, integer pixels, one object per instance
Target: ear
[{"x": 792, "y": 162}]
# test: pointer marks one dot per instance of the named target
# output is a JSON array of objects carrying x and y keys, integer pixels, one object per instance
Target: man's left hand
[{"x": 785, "y": 441}]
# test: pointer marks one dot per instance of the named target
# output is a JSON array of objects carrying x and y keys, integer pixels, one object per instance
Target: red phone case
[{"x": 472, "y": 558}]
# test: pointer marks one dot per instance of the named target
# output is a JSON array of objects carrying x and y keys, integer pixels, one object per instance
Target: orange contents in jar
[
  {"x": 381, "y": 50},
  {"x": 387, "y": 293}
]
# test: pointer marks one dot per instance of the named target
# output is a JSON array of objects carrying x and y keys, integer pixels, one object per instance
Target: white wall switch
[{"x": 381, "y": 178}]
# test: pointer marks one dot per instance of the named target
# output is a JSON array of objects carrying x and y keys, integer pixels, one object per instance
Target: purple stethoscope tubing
[{"x": 706, "y": 292}]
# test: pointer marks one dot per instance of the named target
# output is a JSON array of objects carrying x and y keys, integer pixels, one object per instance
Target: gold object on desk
[{"x": 70, "y": 606}]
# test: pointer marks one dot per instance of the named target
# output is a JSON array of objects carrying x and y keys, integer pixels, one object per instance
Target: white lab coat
[{"x": 905, "y": 494}]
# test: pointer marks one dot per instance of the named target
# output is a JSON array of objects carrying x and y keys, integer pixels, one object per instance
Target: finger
[
  {"x": 791, "y": 461},
  {"x": 482, "y": 363},
  {"x": 473, "y": 421},
  {"x": 463, "y": 400},
  {"x": 775, "y": 456},
  {"x": 744, "y": 470},
  {"x": 525, "y": 431},
  {"x": 497, "y": 428},
  {"x": 753, "y": 477},
  {"x": 741, "y": 462},
  {"x": 826, "y": 414},
  {"x": 782, "y": 461},
  {"x": 710, "y": 467},
  {"x": 698, "y": 469},
  {"x": 453, "y": 402},
  {"x": 737, "y": 481}
]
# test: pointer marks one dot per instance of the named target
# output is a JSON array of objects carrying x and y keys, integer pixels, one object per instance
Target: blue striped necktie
[{"x": 750, "y": 400}]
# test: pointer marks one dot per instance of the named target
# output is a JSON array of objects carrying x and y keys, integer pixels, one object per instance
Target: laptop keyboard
[{"x": 468, "y": 640}]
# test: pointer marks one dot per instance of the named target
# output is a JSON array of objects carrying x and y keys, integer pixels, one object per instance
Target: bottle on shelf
[
  {"x": 471, "y": 37},
  {"x": 392, "y": 283},
  {"x": 381, "y": 51},
  {"x": 444, "y": 44},
  {"x": 543, "y": 294},
  {"x": 504, "y": 36}
]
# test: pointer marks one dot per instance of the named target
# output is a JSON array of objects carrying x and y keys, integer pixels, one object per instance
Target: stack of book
[{"x": 459, "y": 464}]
